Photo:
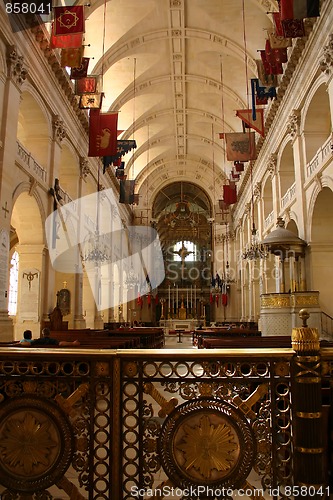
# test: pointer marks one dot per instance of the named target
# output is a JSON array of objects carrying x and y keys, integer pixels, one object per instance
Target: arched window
[
  {"x": 13, "y": 284},
  {"x": 185, "y": 250}
]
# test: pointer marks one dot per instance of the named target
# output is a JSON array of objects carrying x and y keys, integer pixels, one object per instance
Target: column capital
[
  {"x": 293, "y": 123},
  {"x": 17, "y": 70},
  {"x": 84, "y": 167},
  {"x": 326, "y": 63},
  {"x": 257, "y": 190},
  {"x": 272, "y": 164},
  {"x": 59, "y": 130}
]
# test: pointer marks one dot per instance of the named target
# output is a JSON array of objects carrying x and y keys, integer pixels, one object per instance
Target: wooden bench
[
  {"x": 150, "y": 337},
  {"x": 245, "y": 343},
  {"x": 252, "y": 342},
  {"x": 198, "y": 335},
  {"x": 132, "y": 338}
]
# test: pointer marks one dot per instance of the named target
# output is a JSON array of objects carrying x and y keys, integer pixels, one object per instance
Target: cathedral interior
[{"x": 166, "y": 188}]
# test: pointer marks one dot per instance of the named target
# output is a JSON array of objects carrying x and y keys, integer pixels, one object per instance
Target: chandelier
[
  {"x": 131, "y": 280},
  {"x": 256, "y": 250},
  {"x": 97, "y": 250}
]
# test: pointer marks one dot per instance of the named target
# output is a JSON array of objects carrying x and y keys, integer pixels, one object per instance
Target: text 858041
[{"x": 41, "y": 7}]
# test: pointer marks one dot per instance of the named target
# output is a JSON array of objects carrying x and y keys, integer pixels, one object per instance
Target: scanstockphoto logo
[{"x": 88, "y": 235}]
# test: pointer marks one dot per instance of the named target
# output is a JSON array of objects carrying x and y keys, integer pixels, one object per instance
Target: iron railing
[{"x": 132, "y": 424}]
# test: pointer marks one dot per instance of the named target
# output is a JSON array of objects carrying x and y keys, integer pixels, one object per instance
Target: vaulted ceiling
[{"x": 176, "y": 70}]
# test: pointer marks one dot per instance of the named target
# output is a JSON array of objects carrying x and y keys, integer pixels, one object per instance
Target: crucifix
[
  {"x": 5, "y": 209},
  {"x": 183, "y": 253}
]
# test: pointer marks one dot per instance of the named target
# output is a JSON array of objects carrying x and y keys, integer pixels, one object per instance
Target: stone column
[
  {"x": 79, "y": 320},
  {"x": 59, "y": 133},
  {"x": 10, "y": 94}
]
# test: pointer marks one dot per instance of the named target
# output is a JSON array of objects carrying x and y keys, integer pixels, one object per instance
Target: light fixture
[
  {"x": 96, "y": 250},
  {"x": 131, "y": 279},
  {"x": 255, "y": 250}
]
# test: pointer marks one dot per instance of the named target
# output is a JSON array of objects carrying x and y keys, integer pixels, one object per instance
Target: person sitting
[
  {"x": 27, "y": 337},
  {"x": 46, "y": 339}
]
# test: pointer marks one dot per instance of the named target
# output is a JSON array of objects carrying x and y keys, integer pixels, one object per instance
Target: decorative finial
[{"x": 304, "y": 315}]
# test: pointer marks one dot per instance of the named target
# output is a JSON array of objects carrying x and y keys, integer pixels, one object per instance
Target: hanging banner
[
  {"x": 65, "y": 41},
  {"x": 87, "y": 85},
  {"x": 91, "y": 101},
  {"x": 229, "y": 194},
  {"x": 102, "y": 133},
  {"x": 127, "y": 192},
  {"x": 81, "y": 71},
  {"x": 240, "y": 146},
  {"x": 68, "y": 20},
  {"x": 257, "y": 123},
  {"x": 71, "y": 57}
]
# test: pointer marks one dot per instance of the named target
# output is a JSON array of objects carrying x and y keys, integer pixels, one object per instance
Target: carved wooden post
[{"x": 309, "y": 458}]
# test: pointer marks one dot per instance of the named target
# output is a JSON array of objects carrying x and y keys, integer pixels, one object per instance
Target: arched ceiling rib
[{"x": 176, "y": 70}]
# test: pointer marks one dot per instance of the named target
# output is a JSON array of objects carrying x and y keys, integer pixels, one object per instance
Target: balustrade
[
  {"x": 30, "y": 163},
  {"x": 110, "y": 424}
]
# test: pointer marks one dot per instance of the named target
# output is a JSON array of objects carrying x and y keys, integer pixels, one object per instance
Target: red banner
[
  {"x": 65, "y": 41},
  {"x": 229, "y": 194},
  {"x": 87, "y": 85},
  {"x": 68, "y": 20},
  {"x": 102, "y": 133},
  {"x": 80, "y": 72}
]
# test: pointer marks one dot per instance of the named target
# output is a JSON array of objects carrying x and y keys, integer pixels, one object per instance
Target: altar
[{"x": 179, "y": 324}]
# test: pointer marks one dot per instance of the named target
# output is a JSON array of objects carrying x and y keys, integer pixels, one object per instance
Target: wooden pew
[
  {"x": 253, "y": 342},
  {"x": 139, "y": 337},
  {"x": 246, "y": 343},
  {"x": 96, "y": 339},
  {"x": 150, "y": 337},
  {"x": 199, "y": 335}
]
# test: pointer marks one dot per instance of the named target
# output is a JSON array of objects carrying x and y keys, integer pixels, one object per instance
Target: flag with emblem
[
  {"x": 102, "y": 133},
  {"x": 91, "y": 101},
  {"x": 71, "y": 57},
  {"x": 68, "y": 20},
  {"x": 82, "y": 70},
  {"x": 240, "y": 146}
]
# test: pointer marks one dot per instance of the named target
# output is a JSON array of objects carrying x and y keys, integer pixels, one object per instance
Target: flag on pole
[
  {"x": 87, "y": 85},
  {"x": 293, "y": 28},
  {"x": 127, "y": 191},
  {"x": 65, "y": 41},
  {"x": 256, "y": 123},
  {"x": 229, "y": 194},
  {"x": 68, "y": 20},
  {"x": 240, "y": 146},
  {"x": 71, "y": 57},
  {"x": 278, "y": 42},
  {"x": 82, "y": 70},
  {"x": 91, "y": 101},
  {"x": 102, "y": 133},
  {"x": 298, "y": 9}
]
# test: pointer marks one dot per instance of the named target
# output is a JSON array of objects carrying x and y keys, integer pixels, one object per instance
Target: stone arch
[
  {"x": 33, "y": 130},
  {"x": 321, "y": 248},
  {"x": 267, "y": 198},
  {"x": 316, "y": 122},
  {"x": 69, "y": 170},
  {"x": 286, "y": 170}
]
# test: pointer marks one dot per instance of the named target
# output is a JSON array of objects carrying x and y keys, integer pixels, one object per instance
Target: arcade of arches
[{"x": 44, "y": 140}]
